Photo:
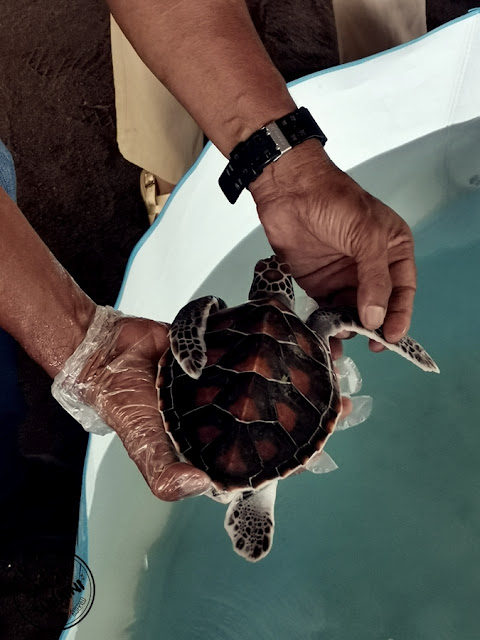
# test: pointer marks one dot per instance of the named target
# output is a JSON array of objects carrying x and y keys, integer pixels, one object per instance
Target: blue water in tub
[{"x": 387, "y": 546}]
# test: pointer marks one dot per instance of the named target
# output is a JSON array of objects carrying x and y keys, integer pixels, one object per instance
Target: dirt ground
[{"x": 82, "y": 197}]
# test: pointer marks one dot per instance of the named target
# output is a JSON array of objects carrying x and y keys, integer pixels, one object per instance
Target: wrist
[
  {"x": 266, "y": 146},
  {"x": 251, "y": 116},
  {"x": 82, "y": 317},
  {"x": 292, "y": 173},
  {"x": 70, "y": 330}
]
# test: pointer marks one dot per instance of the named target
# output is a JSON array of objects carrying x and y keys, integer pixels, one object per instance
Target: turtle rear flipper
[
  {"x": 250, "y": 522},
  {"x": 187, "y": 334},
  {"x": 329, "y": 322}
]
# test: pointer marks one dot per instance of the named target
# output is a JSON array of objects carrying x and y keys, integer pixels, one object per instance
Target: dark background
[{"x": 57, "y": 117}]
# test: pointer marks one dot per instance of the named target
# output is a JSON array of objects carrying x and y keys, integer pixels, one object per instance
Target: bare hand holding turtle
[
  {"x": 335, "y": 236},
  {"x": 338, "y": 238}
]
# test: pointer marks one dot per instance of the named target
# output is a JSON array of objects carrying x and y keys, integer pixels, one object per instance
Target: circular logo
[
  {"x": 83, "y": 593},
  {"x": 42, "y": 598}
]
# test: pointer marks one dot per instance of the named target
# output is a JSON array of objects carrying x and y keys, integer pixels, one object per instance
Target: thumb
[
  {"x": 374, "y": 288},
  {"x": 180, "y": 480}
]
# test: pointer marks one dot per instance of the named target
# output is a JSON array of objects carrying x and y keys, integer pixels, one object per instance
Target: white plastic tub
[{"x": 387, "y": 546}]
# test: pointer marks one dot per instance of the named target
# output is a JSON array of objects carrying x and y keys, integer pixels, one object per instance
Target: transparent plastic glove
[
  {"x": 109, "y": 383},
  {"x": 304, "y": 306},
  {"x": 361, "y": 410},
  {"x": 350, "y": 382},
  {"x": 348, "y": 375},
  {"x": 355, "y": 410},
  {"x": 321, "y": 463}
]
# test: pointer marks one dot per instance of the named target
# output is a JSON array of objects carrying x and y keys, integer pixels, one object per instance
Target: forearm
[
  {"x": 41, "y": 306},
  {"x": 210, "y": 57}
]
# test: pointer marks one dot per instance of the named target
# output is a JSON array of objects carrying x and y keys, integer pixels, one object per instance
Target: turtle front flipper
[
  {"x": 187, "y": 333},
  {"x": 329, "y": 322},
  {"x": 250, "y": 522}
]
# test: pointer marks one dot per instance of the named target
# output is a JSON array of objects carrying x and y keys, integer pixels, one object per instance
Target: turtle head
[{"x": 272, "y": 279}]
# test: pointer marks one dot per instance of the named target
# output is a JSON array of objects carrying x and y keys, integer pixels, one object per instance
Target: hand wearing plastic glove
[
  {"x": 114, "y": 362},
  {"x": 110, "y": 380}
]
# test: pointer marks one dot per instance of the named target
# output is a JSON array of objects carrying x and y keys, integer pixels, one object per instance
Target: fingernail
[
  {"x": 403, "y": 332},
  {"x": 374, "y": 316}
]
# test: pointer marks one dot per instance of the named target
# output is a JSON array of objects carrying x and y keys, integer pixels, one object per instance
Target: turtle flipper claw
[{"x": 250, "y": 522}]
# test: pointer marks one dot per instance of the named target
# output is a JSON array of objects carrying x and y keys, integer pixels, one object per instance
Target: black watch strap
[{"x": 249, "y": 158}]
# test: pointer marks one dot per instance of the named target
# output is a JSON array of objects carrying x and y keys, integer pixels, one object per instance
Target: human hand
[
  {"x": 338, "y": 239},
  {"x": 112, "y": 376}
]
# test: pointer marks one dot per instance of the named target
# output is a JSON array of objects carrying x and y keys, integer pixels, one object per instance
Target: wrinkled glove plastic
[
  {"x": 348, "y": 375},
  {"x": 304, "y": 306},
  {"x": 350, "y": 382},
  {"x": 109, "y": 383}
]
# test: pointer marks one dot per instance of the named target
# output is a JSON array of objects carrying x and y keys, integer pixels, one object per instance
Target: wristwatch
[{"x": 250, "y": 157}]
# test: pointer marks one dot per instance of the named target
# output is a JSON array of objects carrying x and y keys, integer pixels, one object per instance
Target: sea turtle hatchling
[{"x": 249, "y": 394}]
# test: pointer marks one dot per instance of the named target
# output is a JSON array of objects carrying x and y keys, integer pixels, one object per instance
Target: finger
[
  {"x": 345, "y": 335},
  {"x": 400, "y": 306},
  {"x": 375, "y": 346},
  {"x": 181, "y": 480},
  {"x": 347, "y": 296},
  {"x": 347, "y": 407},
  {"x": 374, "y": 288},
  {"x": 336, "y": 348},
  {"x": 151, "y": 449},
  {"x": 343, "y": 297}
]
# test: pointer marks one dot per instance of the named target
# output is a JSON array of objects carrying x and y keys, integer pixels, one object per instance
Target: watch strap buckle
[{"x": 281, "y": 142}]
